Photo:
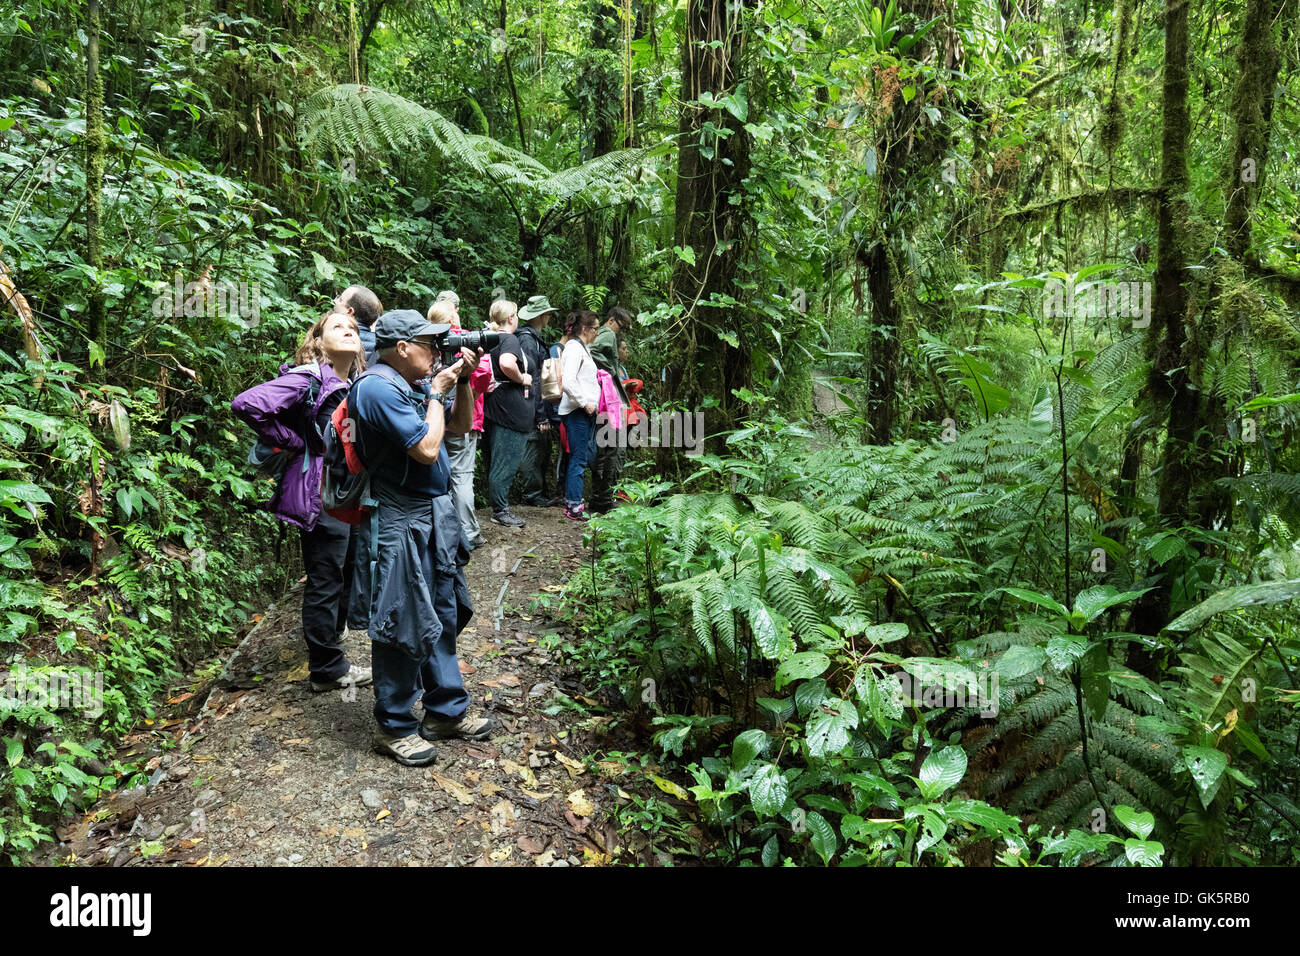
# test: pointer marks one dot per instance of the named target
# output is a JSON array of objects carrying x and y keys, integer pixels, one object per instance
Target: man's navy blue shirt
[{"x": 389, "y": 418}]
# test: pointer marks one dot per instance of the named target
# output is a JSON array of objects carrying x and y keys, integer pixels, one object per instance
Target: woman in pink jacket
[{"x": 461, "y": 450}]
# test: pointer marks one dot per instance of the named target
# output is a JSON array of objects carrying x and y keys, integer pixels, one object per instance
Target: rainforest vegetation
[{"x": 992, "y": 311}]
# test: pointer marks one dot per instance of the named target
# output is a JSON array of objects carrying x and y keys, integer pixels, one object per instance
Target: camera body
[{"x": 448, "y": 342}]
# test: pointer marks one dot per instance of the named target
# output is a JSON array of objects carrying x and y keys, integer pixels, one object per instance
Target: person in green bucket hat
[{"x": 536, "y": 462}]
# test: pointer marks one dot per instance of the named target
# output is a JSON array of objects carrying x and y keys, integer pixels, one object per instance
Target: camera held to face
[{"x": 448, "y": 342}]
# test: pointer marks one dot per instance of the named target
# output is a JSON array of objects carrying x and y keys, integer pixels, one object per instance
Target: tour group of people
[{"x": 545, "y": 412}]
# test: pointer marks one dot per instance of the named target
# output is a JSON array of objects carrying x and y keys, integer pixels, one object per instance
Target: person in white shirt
[{"x": 580, "y": 396}]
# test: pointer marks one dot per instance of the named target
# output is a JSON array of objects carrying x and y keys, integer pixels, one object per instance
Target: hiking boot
[
  {"x": 576, "y": 514},
  {"x": 355, "y": 677},
  {"x": 411, "y": 750},
  {"x": 508, "y": 518},
  {"x": 467, "y": 728}
]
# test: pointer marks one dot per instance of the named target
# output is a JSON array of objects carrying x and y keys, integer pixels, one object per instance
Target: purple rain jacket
[{"x": 278, "y": 412}]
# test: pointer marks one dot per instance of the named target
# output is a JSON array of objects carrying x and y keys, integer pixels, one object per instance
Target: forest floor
[{"x": 258, "y": 770}]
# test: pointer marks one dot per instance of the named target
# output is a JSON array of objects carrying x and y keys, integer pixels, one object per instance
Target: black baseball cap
[{"x": 404, "y": 325}]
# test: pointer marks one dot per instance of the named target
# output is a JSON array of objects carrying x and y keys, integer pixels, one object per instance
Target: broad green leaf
[
  {"x": 1076, "y": 844},
  {"x": 1042, "y": 600},
  {"x": 1094, "y": 667},
  {"x": 982, "y": 815},
  {"x": 324, "y": 268},
  {"x": 1041, "y": 416},
  {"x": 24, "y": 491},
  {"x": 1019, "y": 660},
  {"x": 809, "y": 694},
  {"x": 746, "y": 747},
  {"x": 771, "y": 852},
  {"x": 933, "y": 828},
  {"x": 1230, "y": 598},
  {"x": 1064, "y": 649},
  {"x": 1144, "y": 852},
  {"x": 801, "y": 666},
  {"x": 1093, "y": 601},
  {"x": 885, "y": 633},
  {"x": 1206, "y": 766},
  {"x": 828, "y": 729},
  {"x": 950, "y": 675},
  {"x": 768, "y": 790},
  {"x": 1139, "y": 824},
  {"x": 13, "y": 751},
  {"x": 942, "y": 770},
  {"x": 823, "y": 836}
]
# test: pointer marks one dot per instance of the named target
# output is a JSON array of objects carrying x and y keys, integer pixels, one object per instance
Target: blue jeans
[
  {"x": 507, "y": 453},
  {"x": 578, "y": 426}
]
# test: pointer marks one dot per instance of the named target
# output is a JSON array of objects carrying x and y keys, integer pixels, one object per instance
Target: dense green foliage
[{"x": 992, "y": 313}]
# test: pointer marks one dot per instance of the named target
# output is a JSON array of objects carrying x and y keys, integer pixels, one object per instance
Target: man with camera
[{"x": 421, "y": 601}]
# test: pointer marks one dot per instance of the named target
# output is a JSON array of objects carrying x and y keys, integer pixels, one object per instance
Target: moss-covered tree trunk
[
  {"x": 95, "y": 175},
  {"x": 1257, "y": 69},
  {"x": 712, "y": 223},
  {"x": 1169, "y": 382},
  {"x": 906, "y": 158}
]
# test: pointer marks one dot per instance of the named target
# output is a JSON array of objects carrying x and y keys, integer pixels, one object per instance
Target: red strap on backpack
[{"x": 344, "y": 427}]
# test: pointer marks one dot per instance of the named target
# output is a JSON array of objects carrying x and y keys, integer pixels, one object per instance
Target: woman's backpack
[
  {"x": 269, "y": 460},
  {"x": 552, "y": 379}
]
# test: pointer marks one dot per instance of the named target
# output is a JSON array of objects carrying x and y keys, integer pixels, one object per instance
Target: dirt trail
[{"x": 269, "y": 773}]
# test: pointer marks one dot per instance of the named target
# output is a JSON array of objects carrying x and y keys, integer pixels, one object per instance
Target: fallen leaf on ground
[
  {"x": 299, "y": 673},
  {"x": 546, "y": 859},
  {"x": 529, "y": 845},
  {"x": 467, "y": 668},
  {"x": 530, "y": 778},
  {"x": 580, "y": 804},
  {"x": 490, "y": 789},
  {"x": 381, "y": 814},
  {"x": 180, "y": 698},
  {"x": 501, "y": 854},
  {"x": 539, "y": 797},
  {"x": 592, "y": 857},
  {"x": 454, "y": 789},
  {"x": 503, "y": 817},
  {"x": 574, "y": 767},
  {"x": 579, "y": 826},
  {"x": 297, "y": 740},
  {"x": 667, "y": 786}
]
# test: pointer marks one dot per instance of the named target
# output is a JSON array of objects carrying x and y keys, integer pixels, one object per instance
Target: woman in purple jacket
[{"x": 285, "y": 414}]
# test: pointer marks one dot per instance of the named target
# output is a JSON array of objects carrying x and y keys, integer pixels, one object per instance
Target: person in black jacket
[{"x": 535, "y": 466}]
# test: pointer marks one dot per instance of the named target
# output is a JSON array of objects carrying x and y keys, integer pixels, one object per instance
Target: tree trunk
[
  {"x": 95, "y": 174},
  {"x": 712, "y": 218},
  {"x": 882, "y": 384},
  {"x": 904, "y": 159},
  {"x": 1257, "y": 68},
  {"x": 1169, "y": 379}
]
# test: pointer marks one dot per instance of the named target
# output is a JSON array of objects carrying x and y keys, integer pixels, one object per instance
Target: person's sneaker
[
  {"x": 508, "y": 518},
  {"x": 467, "y": 728},
  {"x": 411, "y": 750},
  {"x": 576, "y": 514},
  {"x": 355, "y": 677}
]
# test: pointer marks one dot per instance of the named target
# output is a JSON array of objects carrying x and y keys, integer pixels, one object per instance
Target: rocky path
[{"x": 267, "y": 773}]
